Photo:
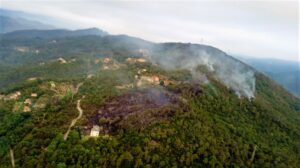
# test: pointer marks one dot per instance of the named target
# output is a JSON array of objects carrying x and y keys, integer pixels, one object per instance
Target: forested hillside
[{"x": 156, "y": 105}]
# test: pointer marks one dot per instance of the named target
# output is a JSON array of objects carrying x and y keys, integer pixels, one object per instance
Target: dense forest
[{"x": 149, "y": 116}]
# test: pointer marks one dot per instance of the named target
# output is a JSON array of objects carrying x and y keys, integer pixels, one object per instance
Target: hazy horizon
[{"x": 260, "y": 29}]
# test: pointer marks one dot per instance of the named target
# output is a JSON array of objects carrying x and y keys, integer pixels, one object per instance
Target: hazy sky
[{"x": 252, "y": 28}]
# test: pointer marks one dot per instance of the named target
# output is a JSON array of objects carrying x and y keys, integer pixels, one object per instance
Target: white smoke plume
[{"x": 233, "y": 73}]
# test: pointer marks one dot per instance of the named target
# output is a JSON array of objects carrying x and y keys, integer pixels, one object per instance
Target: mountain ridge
[
  {"x": 9, "y": 24},
  {"x": 153, "y": 104},
  {"x": 55, "y": 33}
]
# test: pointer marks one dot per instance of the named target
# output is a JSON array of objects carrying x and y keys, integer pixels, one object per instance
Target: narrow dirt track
[
  {"x": 74, "y": 120},
  {"x": 77, "y": 87},
  {"x": 12, "y": 158}
]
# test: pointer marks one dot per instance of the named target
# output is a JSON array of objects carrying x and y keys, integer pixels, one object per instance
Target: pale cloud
[{"x": 254, "y": 28}]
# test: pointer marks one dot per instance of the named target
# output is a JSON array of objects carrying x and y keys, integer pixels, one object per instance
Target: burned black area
[
  {"x": 135, "y": 109},
  {"x": 186, "y": 89}
]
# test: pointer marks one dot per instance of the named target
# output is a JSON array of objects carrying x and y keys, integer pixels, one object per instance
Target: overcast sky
[{"x": 251, "y": 28}]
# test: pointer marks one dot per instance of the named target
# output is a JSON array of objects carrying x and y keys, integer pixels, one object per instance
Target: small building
[
  {"x": 155, "y": 79},
  {"x": 135, "y": 60},
  {"x": 28, "y": 101},
  {"x": 130, "y": 60},
  {"x": 62, "y": 61},
  {"x": 146, "y": 80},
  {"x": 107, "y": 60},
  {"x": 33, "y": 94},
  {"x": 22, "y": 49},
  {"x": 18, "y": 93},
  {"x": 140, "y": 71},
  {"x": 32, "y": 79},
  {"x": 141, "y": 60},
  {"x": 151, "y": 79},
  {"x": 95, "y": 131},
  {"x": 52, "y": 84},
  {"x": 14, "y": 96},
  {"x": 26, "y": 109}
]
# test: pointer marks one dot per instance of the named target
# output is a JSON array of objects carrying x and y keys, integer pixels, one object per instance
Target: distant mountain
[
  {"x": 56, "y": 22},
  {"x": 286, "y": 73},
  {"x": 18, "y": 14},
  {"x": 9, "y": 24},
  {"x": 57, "y": 33}
]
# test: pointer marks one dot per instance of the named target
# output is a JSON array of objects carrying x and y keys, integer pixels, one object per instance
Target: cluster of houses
[
  {"x": 26, "y": 49},
  {"x": 28, "y": 103},
  {"x": 105, "y": 60},
  {"x": 143, "y": 80},
  {"x": 108, "y": 63},
  {"x": 12, "y": 96},
  {"x": 16, "y": 95},
  {"x": 111, "y": 64}
]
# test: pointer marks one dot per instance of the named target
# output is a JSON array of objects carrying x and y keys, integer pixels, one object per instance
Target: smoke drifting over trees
[{"x": 233, "y": 73}]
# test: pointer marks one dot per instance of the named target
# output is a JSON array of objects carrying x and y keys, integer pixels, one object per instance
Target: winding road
[{"x": 74, "y": 120}]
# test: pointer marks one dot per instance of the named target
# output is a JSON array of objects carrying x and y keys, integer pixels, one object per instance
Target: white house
[{"x": 95, "y": 131}]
